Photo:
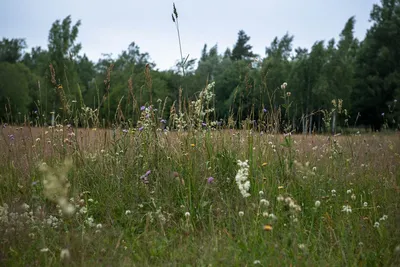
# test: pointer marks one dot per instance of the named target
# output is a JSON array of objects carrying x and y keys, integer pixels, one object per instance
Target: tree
[
  {"x": 14, "y": 90},
  {"x": 378, "y": 65},
  {"x": 242, "y": 50},
  {"x": 11, "y": 50}
]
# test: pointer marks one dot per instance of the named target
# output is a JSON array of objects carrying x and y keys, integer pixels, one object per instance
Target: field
[{"x": 90, "y": 197}]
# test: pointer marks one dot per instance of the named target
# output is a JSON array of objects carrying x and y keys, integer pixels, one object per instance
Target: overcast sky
[{"x": 110, "y": 26}]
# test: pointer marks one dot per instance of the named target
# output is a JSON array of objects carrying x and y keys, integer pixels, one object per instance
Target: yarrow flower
[
  {"x": 347, "y": 209},
  {"x": 241, "y": 178},
  {"x": 241, "y": 213},
  {"x": 317, "y": 203}
]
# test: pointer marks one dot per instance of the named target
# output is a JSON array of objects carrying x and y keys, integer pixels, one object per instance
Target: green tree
[
  {"x": 377, "y": 71},
  {"x": 11, "y": 50},
  {"x": 14, "y": 91},
  {"x": 242, "y": 50}
]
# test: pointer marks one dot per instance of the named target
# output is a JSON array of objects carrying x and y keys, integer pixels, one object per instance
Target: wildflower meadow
[{"x": 288, "y": 160}]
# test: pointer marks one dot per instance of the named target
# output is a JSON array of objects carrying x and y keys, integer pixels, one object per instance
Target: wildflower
[
  {"x": 210, "y": 180},
  {"x": 265, "y": 214},
  {"x": 348, "y": 191},
  {"x": 264, "y": 164},
  {"x": 302, "y": 246},
  {"x": 83, "y": 210},
  {"x": 187, "y": 214},
  {"x": 142, "y": 108},
  {"x": 314, "y": 169},
  {"x": 44, "y": 250},
  {"x": 38, "y": 139},
  {"x": 365, "y": 204},
  {"x": 99, "y": 226},
  {"x": 333, "y": 192},
  {"x": 192, "y": 145},
  {"x": 267, "y": 227},
  {"x": 384, "y": 218},
  {"x": 64, "y": 254},
  {"x": 25, "y": 206},
  {"x": 280, "y": 198},
  {"x": 125, "y": 131},
  {"x": 280, "y": 187},
  {"x": 127, "y": 212},
  {"x": 144, "y": 177},
  {"x": 141, "y": 128},
  {"x": 256, "y": 262},
  {"x": 241, "y": 178},
  {"x": 264, "y": 110},
  {"x": 241, "y": 213},
  {"x": 264, "y": 202},
  {"x": 272, "y": 216},
  {"x": 283, "y": 86},
  {"x": 347, "y": 209},
  {"x": 163, "y": 121},
  {"x": 353, "y": 197},
  {"x": 383, "y": 114},
  {"x": 376, "y": 224},
  {"x": 261, "y": 193},
  {"x": 317, "y": 203},
  {"x": 288, "y": 93}
]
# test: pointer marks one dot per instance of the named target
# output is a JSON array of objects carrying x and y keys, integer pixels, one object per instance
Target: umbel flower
[
  {"x": 56, "y": 185},
  {"x": 242, "y": 178}
]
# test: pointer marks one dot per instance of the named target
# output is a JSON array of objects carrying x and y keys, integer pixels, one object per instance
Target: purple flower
[
  {"x": 4, "y": 125},
  {"x": 264, "y": 110},
  {"x": 163, "y": 121},
  {"x": 142, "y": 108},
  {"x": 125, "y": 131},
  {"x": 11, "y": 136},
  {"x": 210, "y": 180},
  {"x": 204, "y": 124},
  {"x": 144, "y": 177},
  {"x": 383, "y": 114},
  {"x": 141, "y": 128}
]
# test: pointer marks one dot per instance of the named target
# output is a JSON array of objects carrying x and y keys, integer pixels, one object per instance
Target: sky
[{"x": 110, "y": 26}]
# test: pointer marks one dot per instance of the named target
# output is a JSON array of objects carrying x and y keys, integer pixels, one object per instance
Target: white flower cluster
[{"x": 242, "y": 178}]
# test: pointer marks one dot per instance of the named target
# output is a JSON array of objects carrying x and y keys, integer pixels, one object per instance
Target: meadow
[{"x": 204, "y": 197}]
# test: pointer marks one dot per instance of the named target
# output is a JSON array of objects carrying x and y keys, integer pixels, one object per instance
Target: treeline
[{"x": 346, "y": 82}]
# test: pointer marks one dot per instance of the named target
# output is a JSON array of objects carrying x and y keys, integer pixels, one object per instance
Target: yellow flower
[
  {"x": 267, "y": 227},
  {"x": 280, "y": 187},
  {"x": 264, "y": 164},
  {"x": 192, "y": 145}
]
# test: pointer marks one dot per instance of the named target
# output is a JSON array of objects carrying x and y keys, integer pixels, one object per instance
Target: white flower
[
  {"x": 261, "y": 193},
  {"x": 44, "y": 250},
  {"x": 353, "y": 197},
  {"x": 314, "y": 169},
  {"x": 265, "y": 214},
  {"x": 347, "y": 209},
  {"x": 64, "y": 254},
  {"x": 365, "y": 204},
  {"x": 83, "y": 210},
  {"x": 241, "y": 178},
  {"x": 127, "y": 212},
  {"x": 333, "y": 192},
  {"x": 256, "y": 262},
  {"x": 317, "y": 203},
  {"x": 264, "y": 202},
  {"x": 99, "y": 226},
  {"x": 302, "y": 246},
  {"x": 280, "y": 198},
  {"x": 241, "y": 213},
  {"x": 384, "y": 218},
  {"x": 187, "y": 214},
  {"x": 348, "y": 191},
  {"x": 376, "y": 224}
]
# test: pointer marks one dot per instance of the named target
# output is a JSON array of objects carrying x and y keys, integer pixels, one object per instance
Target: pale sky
[{"x": 110, "y": 26}]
